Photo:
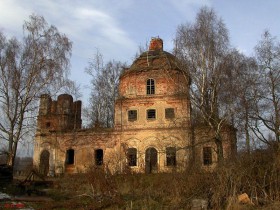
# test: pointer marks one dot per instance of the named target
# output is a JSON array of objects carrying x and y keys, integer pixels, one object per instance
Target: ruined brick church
[{"x": 152, "y": 132}]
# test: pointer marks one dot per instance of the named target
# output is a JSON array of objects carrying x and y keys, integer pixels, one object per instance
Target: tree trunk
[
  {"x": 220, "y": 152},
  {"x": 247, "y": 136},
  {"x": 12, "y": 154},
  {"x": 10, "y": 158}
]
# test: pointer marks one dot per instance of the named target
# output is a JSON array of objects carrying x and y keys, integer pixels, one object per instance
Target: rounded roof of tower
[{"x": 153, "y": 59}]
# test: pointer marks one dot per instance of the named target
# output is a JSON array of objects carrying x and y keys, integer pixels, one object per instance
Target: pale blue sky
[{"x": 117, "y": 28}]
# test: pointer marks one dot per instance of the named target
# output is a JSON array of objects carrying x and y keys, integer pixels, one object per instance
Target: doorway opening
[
  {"x": 151, "y": 160},
  {"x": 44, "y": 162},
  {"x": 70, "y": 154},
  {"x": 99, "y": 157}
]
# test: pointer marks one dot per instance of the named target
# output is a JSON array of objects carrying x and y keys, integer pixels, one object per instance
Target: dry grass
[{"x": 257, "y": 175}]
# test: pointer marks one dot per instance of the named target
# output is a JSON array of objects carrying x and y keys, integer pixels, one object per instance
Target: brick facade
[{"x": 152, "y": 132}]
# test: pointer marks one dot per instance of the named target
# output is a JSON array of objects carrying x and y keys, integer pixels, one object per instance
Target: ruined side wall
[
  {"x": 47, "y": 143},
  {"x": 114, "y": 146},
  {"x": 63, "y": 114},
  {"x": 83, "y": 143},
  {"x": 204, "y": 137},
  {"x": 53, "y": 118}
]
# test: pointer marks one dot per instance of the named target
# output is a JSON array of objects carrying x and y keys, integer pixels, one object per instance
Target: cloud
[
  {"x": 89, "y": 24},
  {"x": 189, "y": 8},
  {"x": 95, "y": 21},
  {"x": 12, "y": 16}
]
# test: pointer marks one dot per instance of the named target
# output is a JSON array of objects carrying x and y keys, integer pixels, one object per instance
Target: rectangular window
[
  {"x": 207, "y": 155},
  {"x": 151, "y": 114},
  {"x": 150, "y": 86},
  {"x": 171, "y": 156},
  {"x": 132, "y": 115},
  {"x": 132, "y": 156},
  {"x": 169, "y": 113}
]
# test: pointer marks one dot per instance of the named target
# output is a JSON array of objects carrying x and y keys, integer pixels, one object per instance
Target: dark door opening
[
  {"x": 98, "y": 157},
  {"x": 151, "y": 159},
  {"x": 44, "y": 163},
  {"x": 70, "y": 154}
]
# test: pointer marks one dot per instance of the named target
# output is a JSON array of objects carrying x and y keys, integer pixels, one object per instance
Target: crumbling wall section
[{"x": 63, "y": 114}]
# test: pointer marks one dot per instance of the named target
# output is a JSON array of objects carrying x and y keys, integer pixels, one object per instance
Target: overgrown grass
[{"x": 257, "y": 174}]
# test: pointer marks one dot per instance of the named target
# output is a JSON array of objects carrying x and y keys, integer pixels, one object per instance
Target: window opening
[
  {"x": 70, "y": 153},
  {"x": 65, "y": 106},
  {"x": 98, "y": 157},
  {"x": 48, "y": 124},
  {"x": 151, "y": 114},
  {"x": 150, "y": 87},
  {"x": 169, "y": 113},
  {"x": 132, "y": 115},
  {"x": 132, "y": 156},
  {"x": 171, "y": 156},
  {"x": 207, "y": 155}
]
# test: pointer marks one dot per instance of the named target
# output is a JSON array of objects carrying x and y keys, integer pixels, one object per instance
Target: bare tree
[
  {"x": 203, "y": 49},
  {"x": 267, "y": 113},
  {"x": 141, "y": 49},
  {"x": 28, "y": 68},
  {"x": 104, "y": 90},
  {"x": 72, "y": 88},
  {"x": 243, "y": 86}
]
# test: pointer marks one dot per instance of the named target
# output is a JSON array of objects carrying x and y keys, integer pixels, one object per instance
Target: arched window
[
  {"x": 132, "y": 156},
  {"x": 150, "y": 87}
]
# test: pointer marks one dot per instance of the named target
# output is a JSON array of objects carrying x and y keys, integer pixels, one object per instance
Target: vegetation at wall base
[{"x": 256, "y": 174}]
